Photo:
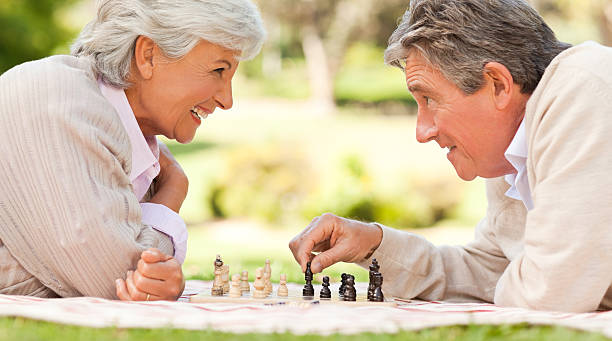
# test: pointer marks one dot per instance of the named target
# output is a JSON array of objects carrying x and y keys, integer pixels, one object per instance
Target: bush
[{"x": 276, "y": 184}]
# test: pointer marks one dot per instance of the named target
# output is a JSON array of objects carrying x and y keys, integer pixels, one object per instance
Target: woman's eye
[
  {"x": 427, "y": 99},
  {"x": 220, "y": 71}
]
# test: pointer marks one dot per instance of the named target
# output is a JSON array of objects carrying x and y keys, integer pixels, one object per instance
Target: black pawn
[
  {"x": 378, "y": 294},
  {"x": 373, "y": 268},
  {"x": 350, "y": 294},
  {"x": 308, "y": 288},
  {"x": 325, "y": 292},
  {"x": 342, "y": 285}
]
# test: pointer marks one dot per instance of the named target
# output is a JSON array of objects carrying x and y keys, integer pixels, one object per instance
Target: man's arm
[{"x": 566, "y": 265}]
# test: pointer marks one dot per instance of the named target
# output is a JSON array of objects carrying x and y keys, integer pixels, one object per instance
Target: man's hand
[
  {"x": 158, "y": 277},
  {"x": 171, "y": 183},
  {"x": 337, "y": 239}
]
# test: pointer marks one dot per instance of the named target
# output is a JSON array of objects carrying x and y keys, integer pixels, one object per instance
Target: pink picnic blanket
[{"x": 323, "y": 319}]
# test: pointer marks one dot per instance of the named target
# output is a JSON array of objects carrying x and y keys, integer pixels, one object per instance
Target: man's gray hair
[
  {"x": 459, "y": 37},
  {"x": 176, "y": 26}
]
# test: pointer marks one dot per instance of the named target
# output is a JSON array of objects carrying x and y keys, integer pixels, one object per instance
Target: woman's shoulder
[{"x": 54, "y": 69}]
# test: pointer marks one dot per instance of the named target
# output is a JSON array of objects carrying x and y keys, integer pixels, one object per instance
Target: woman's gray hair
[
  {"x": 176, "y": 26},
  {"x": 459, "y": 37}
]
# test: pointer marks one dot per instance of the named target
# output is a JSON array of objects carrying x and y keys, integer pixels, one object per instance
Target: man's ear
[
  {"x": 143, "y": 57},
  {"x": 500, "y": 82}
]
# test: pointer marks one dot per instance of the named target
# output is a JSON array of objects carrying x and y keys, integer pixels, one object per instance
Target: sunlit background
[{"x": 320, "y": 124}]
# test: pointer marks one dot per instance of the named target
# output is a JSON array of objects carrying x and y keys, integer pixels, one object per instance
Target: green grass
[{"x": 26, "y": 330}]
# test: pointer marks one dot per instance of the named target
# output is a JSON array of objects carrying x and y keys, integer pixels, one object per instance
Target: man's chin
[{"x": 466, "y": 176}]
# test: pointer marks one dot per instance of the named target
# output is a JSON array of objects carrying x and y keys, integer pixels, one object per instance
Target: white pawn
[
  {"x": 259, "y": 284},
  {"x": 244, "y": 282},
  {"x": 283, "y": 291},
  {"x": 267, "y": 276},
  {"x": 235, "y": 291}
]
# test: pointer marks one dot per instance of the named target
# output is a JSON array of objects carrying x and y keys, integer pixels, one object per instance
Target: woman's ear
[
  {"x": 143, "y": 57},
  {"x": 499, "y": 81}
]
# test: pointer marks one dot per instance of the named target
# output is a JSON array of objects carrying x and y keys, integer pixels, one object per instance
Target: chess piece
[
  {"x": 235, "y": 291},
  {"x": 217, "y": 289},
  {"x": 350, "y": 294},
  {"x": 308, "y": 288},
  {"x": 225, "y": 277},
  {"x": 244, "y": 282},
  {"x": 259, "y": 284},
  {"x": 373, "y": 268},
  {"x": 267, "y": 275},
  {"x": 325, "y": 292},
  {"x": 342, "y": 285},
  {"x": 378, "y": 294},
  {"x": 283, "y": 291}
]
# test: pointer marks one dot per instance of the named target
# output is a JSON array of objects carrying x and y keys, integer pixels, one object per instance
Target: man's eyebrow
[{"x": 415, "y": 88}]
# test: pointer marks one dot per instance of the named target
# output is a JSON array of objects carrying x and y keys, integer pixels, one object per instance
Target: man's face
[{"x": 476, "y": 133}]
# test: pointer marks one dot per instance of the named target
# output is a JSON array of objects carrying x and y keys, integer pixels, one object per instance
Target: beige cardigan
[
  {"x": 70, "y": 223},
  {"x": 557, "y": 256}
]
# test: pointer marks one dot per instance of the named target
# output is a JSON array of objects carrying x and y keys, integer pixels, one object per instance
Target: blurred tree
[
  {"x": 30, "y": 29},
  {"x": 326, "y": 30}
]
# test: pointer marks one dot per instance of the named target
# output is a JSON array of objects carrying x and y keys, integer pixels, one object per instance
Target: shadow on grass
[{"x": 178, "y": 149}]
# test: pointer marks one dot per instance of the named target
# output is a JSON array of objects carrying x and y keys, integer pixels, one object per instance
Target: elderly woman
[{"x": 89, "y": 199}]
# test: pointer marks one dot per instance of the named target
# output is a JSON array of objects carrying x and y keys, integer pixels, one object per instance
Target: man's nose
[{"x": 426, "y": 129}]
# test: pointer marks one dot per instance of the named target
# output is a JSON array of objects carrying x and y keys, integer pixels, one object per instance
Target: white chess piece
[
  {"x": 217, "y": 289},
  {"x": 244, "y": 282},
  {"x": 235, "y": 291},
  {"x": 267, "y": 275},
  {"x": 283, "y": 291},
  {"x": 225, "y": 277},
  {"x": 259, "y": 284}
]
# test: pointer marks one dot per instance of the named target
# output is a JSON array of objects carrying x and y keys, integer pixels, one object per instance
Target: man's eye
[
  {"x": 220, "y": 71},
  {"x": 427, "y": 99}
]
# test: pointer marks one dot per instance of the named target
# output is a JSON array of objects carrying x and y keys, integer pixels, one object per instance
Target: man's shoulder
[{"x": 587, "y": 59}]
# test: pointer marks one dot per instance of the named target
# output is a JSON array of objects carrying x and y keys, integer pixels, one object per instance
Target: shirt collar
[
  {"x": 145, "y": 150},
  {"x": 516, "y": 154}
]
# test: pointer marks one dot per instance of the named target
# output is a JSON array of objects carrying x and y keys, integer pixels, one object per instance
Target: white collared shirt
[
  {"x": 516, "y": 154},
  {"x": 145, "y": 167}
]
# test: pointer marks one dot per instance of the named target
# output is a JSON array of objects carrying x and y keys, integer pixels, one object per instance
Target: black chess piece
[
  {"x": 350, "y": 294},
  {"x": 373, "y": 268},
  {"x": 218, "y": 261},
  {"x": 308, "y": 288},
  {"x": 378, "y": 294},
  {"x": 325, "y": 292},
  {"x": 342, "y": 285}
]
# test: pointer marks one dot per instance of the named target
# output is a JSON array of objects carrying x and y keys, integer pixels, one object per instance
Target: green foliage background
[{"x": 31, "y": 29}]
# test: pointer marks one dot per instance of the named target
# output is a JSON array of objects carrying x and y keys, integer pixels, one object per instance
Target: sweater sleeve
[
  {"x": 566, "y": 263},
  {"x": 413, "y": 267},
  {"x": 67, "y": 210}
]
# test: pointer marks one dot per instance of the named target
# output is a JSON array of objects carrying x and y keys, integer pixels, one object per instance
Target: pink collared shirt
[{"x": 145, "y": 167}]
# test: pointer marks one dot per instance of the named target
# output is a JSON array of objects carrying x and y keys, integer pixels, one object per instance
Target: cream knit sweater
[
  {"x": 557, "y": 256},
  {"x": 70, "y": 223}
]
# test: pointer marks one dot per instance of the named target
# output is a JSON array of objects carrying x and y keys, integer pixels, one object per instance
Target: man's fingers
[
  {"x": 315, "y": 238},
  {"x": 327, "y": 258}
]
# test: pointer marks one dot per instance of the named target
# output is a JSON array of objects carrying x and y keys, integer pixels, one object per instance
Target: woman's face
[{"x": 174, "y": 97}]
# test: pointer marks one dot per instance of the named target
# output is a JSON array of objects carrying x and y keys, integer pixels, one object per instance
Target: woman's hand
[
  {"x": 158, "y": 277},
  {"x": 171, "y": 183},
  {"x": 337, "y": 239}
]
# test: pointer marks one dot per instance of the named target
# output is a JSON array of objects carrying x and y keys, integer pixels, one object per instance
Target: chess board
[{"x": 295, "y": 297}]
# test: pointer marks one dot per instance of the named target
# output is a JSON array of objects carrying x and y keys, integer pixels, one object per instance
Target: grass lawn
[{"x": 25, "y": 330}]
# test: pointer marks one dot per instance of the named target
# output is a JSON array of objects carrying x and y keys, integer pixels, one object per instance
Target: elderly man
[{"x": 531, "y": 114}]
